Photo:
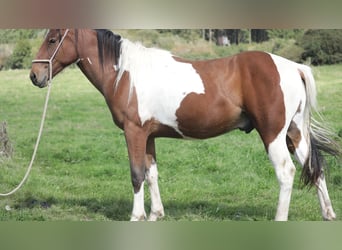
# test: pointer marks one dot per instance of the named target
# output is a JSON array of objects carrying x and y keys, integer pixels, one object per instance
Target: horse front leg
[
  {"x": 157, "y": 209},
  {"x": 136, "y": 145}
]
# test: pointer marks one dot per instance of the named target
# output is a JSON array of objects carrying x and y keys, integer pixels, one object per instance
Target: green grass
[{"x": 82, "y": 173}]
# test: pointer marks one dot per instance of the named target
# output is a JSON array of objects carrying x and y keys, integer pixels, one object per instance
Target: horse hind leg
[
  {"x": 285, "y": 172},
  {"x": 324, "y": 199},
  {"x": 298, "y": 144}
]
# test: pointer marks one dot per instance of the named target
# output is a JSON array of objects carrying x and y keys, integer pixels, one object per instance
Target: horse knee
[{"x": 137, "y": 177}]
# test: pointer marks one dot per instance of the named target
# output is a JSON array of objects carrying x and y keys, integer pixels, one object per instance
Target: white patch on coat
[
  {"x": 291, "y": 84},
  {"x": 302, "y": 150},
  {"x": 294, "y": 99},
  {"x": 294, "y": 94},
  {"x": 161, "y": 83}
]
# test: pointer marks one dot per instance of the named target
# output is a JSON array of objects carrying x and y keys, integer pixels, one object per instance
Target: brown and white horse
[{"x": 152, "y": 93}]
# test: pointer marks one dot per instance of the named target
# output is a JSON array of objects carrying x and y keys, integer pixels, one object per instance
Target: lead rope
[
  {"x": 49, "y": 61},
  {"x": 35, "y": 147}
]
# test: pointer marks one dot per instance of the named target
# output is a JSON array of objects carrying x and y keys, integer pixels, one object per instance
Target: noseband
[{"x": 49, "y": 61}]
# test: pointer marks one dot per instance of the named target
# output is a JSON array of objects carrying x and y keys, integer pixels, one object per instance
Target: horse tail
[{"x": 321, "y": 140}]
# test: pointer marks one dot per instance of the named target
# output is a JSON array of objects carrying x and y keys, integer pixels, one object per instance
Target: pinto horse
[{"x": 152, "y": 93}]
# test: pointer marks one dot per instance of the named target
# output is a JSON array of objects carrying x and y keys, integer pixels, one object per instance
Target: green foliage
[
  {"x": 322, "y": 46},
  {"x": 15, "y": 47},
  {"x": 21, "y": 55},
  {"x": 190, "y": 35},
  {"x": 285, "y": 33},
  {"x": 13, "y": 35},
  {"x": 5, "y": 52},
  {"x": 286, "y": 48}
]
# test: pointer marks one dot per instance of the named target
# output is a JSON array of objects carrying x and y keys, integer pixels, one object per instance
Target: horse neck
[
  {"x": 101, "y": 76},
  {"x": 98, "y": 76}
]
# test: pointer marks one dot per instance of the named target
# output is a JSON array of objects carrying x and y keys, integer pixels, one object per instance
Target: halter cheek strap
[{"x": 49, "y": 61}]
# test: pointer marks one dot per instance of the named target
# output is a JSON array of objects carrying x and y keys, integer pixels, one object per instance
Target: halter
[{"x": 49, "y": 61}]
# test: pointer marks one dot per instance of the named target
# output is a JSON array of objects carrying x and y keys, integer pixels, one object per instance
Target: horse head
[{"x": 56, "y": 52}]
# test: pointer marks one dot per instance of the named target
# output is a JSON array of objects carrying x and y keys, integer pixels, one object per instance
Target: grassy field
[{"x": 81, "y": 171}]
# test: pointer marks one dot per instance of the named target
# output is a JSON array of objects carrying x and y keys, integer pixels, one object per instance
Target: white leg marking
[
  {"x": 285, "y": 171},
  {"x": 157, "y": 209},
  {"x": 324, "y": 199},
  {"x": 138, "y": 212}
]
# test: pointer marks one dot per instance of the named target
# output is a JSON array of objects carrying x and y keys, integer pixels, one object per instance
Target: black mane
[{"x": 109, "y": 45}]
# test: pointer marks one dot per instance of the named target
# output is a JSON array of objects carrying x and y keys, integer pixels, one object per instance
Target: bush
[
  {"x": 322, "y": 46},
  {"x": 287, "y": 48},
  {"x": 21, "y": 55},
  {"x": 5, "y": 53}
]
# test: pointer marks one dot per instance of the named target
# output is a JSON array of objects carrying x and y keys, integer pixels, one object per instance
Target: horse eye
[{"x": 52, "y": 40}]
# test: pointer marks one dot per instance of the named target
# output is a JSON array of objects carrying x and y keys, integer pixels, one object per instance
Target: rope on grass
[
  {"x": 49, "y": 61},
  {"x": 35, "y": 147}
]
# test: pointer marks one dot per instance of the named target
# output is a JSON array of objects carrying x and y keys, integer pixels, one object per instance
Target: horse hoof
[
  {"x": 154, "y": 216},
  {"x": 329, "y": 214},
  {"x": 138, "y": 218}
]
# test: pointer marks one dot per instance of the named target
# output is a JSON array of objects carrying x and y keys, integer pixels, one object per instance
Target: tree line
[
  {"x": 317, "y": 46},
  {"x": 237, "y": 36}
]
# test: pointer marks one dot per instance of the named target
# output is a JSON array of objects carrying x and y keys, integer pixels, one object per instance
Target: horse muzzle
[{"x": 39, "y": 79}]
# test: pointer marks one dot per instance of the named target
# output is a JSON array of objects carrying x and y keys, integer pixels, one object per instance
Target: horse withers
[{"x": 152, "y": 93}]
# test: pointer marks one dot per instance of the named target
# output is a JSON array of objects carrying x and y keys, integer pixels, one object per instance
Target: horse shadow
[{"x": 119, "y": 209}]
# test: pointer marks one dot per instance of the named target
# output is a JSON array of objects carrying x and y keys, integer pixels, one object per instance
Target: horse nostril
[{"x": 33, "y": 77}]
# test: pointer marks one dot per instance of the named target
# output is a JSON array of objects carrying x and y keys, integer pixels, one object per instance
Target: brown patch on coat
[
  {"x": 242, "y": 91},
  {"x": 293, "y": 137}
]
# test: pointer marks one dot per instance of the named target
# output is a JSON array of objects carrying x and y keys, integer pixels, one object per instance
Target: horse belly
[{"x": 201, "y": 118}]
